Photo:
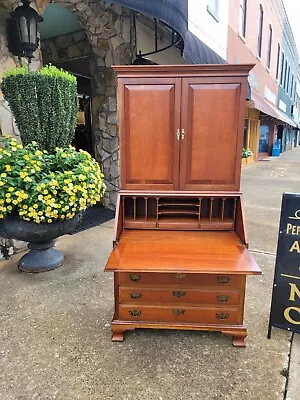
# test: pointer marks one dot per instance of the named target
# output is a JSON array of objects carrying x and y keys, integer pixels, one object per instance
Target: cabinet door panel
[
  {"x": 149, "y": 120},
  {"x": 213, "y": 118}
]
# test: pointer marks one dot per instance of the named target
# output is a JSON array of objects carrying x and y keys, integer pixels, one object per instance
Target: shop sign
[{"x": 285, "y": 307}]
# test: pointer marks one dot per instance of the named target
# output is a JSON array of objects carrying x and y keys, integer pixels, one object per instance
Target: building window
[
  {"x": 260, "y": 30},
  {"x": 292, "y": 85},
  {"x": 269, "y": 47},
  {"x": 288, "y": 80},
  {"x": 285, "y": 74},
  {"x": 213, "y": 8},
  {"x": 282, "y": 69},
  {"x": 278, "y": 59},
  {"x": 243, "y": 15}
]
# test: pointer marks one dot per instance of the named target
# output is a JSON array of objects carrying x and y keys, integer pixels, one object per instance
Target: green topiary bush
[{"x": 44, "y": 105}]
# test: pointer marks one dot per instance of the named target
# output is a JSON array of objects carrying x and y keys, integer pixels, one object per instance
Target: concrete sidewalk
[{"x": 55, "y": 327}]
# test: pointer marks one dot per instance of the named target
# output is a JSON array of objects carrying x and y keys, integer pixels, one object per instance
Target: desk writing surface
[{"x": 181, "y": 251}]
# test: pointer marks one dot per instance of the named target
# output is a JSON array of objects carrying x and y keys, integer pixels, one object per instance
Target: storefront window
[{"x": 245, "y": 134}]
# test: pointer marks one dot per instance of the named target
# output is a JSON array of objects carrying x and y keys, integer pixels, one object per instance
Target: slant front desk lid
[{"x": 175, "y": 251}]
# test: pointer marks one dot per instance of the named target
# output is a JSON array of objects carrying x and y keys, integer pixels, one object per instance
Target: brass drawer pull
[
  {"x": 135, "y": 277},
  {"x": 222, "y": 299},
  {"x": 223, "y": 279},
  {"x": 222, "y": 315},
  {"x": 135, "y": 313},
  {"x": 178, "y": 312},
  {"x": 179, "y": 276},
  {"x": 135, "y": 295},
  {"x": 178, "y": 293}
]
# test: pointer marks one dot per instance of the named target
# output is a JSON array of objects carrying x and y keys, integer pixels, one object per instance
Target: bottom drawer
[{"x": 209, "y": 315}]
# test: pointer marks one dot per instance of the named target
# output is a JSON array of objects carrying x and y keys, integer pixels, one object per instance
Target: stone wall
[
  {"x": 66, "y": 47},
  {"x": 109, "y": 30}
]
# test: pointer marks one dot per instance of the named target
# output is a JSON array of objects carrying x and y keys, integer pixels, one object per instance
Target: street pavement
[{"x": 55, "y": 327}]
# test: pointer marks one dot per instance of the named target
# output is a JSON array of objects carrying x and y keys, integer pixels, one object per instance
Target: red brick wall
[{"x": 245, "y": 50}]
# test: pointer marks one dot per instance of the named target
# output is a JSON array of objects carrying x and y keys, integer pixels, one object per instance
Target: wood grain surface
[{"x": 181, "y": 251}]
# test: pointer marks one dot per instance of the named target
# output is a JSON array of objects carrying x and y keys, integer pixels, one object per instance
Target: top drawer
[{"x": 180, "y": 279}]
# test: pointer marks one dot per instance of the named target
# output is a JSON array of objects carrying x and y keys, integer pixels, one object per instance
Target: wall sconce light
[{"x": 22, "y": 31}]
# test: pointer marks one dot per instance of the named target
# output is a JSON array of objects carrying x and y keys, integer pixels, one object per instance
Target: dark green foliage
[{"x": 44, "y": 104}]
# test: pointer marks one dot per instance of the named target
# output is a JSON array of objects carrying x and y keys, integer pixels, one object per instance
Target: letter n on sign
[{"x": 285, "y": 307}]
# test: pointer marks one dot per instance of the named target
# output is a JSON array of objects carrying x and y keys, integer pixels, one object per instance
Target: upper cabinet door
[
  {"x": 149, "y": 112},
  {"x": 213, "y": 112}
]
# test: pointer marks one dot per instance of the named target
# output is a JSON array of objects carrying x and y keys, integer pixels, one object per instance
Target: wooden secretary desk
[{"x": 180, "y": 257}]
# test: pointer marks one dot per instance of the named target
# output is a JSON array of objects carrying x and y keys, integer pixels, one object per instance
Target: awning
[
  {"x": 197, "y": 52},
  {"x": 269, "y": 109},
  {"x": 173, "y": 12}
]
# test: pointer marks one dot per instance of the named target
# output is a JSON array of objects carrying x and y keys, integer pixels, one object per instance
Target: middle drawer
[{"x": 180, "y": 295}]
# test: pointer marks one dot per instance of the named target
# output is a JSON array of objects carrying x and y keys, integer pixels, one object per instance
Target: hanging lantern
[{"x": 22, "y": 30}]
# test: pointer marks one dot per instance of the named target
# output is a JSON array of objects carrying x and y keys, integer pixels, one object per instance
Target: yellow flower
[
  {"x": 1, "y": 216},
  {"x": 45, "y": 191},
  {"x": 3, "y": 175},
  {"x": 8, "y": 168},
  {"x": 10, "y": 189},
  {"x": 35, "y": 206},
  {"x": 38, "y": 188},
  {"x": 49, "y": 220}
]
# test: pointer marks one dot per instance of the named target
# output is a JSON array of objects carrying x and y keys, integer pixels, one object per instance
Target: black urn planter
[{"x": 41, "y": 257}]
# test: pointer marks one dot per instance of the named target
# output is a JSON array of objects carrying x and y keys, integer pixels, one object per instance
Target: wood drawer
[
  {"x": 203, "y": 315},
  {"x": 149, "y": 278},
  {"x": 178, "y": 295}
]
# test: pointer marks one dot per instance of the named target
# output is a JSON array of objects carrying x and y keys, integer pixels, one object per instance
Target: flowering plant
[
  {"x": 43, "y": 187},
  {"x": 246, "y": 153}
]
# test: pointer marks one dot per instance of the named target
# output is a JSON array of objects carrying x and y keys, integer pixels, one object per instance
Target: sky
[{"x": 292, "y": 8}]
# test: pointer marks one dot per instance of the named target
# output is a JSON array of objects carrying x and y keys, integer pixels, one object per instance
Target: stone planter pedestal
[{"x": 42, "y": 256}]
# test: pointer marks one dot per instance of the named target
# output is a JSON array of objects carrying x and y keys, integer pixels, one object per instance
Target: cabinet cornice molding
[{"x": 184, "y": 70}]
